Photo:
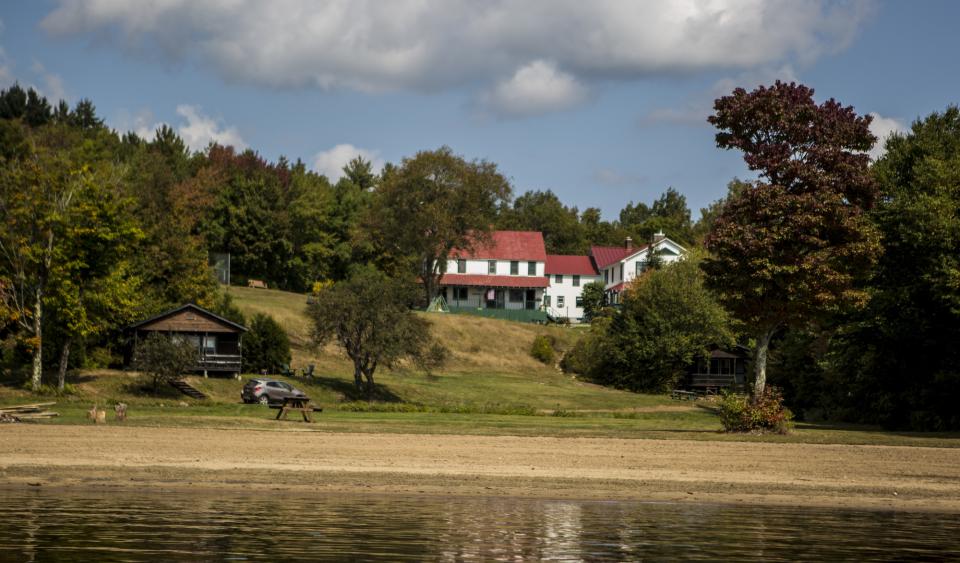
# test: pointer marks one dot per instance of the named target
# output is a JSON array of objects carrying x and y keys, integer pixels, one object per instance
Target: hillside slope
[{"x": 490, "y": 362}]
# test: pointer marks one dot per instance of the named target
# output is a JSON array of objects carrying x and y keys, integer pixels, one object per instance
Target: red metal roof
[
  {"x": 478, "y": 280},
  {"x": 617, "y": 288},
  {"x": 606, "y": 255},
  {"x": 573, "y": 265},
  {"x": 509, "y": 245}
]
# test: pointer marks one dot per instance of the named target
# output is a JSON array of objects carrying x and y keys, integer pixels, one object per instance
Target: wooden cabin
[
  {"x": 722, "y": 369},
  {"x": 217, "y": 340}
]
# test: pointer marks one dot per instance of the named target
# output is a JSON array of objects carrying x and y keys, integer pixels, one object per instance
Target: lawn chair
[
  {"x": 309, "y": 373},
  {"x": 286, "y": 371}
]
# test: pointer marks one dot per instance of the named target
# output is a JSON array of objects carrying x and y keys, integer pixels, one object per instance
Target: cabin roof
[
  {"x": 573, "y": 265},
  {"x": 507, "y": 245},
  {"x": 185, "y": 307}
]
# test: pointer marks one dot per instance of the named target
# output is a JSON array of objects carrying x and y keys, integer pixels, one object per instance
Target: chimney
[
  {"x": 658, "y": 236},
  {"x": 628, "y": 243}
]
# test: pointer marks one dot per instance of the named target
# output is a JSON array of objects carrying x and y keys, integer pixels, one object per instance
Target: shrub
[
  {"x": 434, "y": 357},
  {"x": 542, "y": 349},
  {"x": 266, "y": 346},
  {"x": 766, "y": 413},
  {"x": 164, "y": 359}
]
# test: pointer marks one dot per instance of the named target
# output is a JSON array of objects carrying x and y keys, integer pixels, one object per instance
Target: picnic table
[
  {"x": 299, "y": 404},
  {"x": 683, "y": 395}
]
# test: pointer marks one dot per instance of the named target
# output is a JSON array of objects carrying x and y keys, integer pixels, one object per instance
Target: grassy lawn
[{"x": 491, "y": 386}]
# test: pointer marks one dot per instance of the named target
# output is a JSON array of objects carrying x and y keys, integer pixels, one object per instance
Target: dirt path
[{"x": 905, "y": 478}]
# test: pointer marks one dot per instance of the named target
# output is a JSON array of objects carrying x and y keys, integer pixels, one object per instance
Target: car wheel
[{"x": 264, "y": 400}]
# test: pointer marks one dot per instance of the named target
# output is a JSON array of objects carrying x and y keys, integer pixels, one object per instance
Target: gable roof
[
  {"x": 508, "y": 245},
  {"x": 606, "y": 255},
  {"x": 194, "y": 307},
  {"x": 573, "y": 265}
]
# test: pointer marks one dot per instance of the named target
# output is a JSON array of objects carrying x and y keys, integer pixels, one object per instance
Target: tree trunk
[
  {"x": 370, "y": 386},
  {"x": 38, "y": 345},
  {"x": 64, "y": 360},
  {"x": 357, "y": 377},
  {"x": 760, "y": 363}
]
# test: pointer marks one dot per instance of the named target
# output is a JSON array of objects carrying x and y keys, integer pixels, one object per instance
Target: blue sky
[{"x": 603, "y": 102}]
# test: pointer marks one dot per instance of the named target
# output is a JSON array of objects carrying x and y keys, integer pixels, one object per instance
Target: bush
[
  {"x": 542, "y": 349},
  {"x": 738, "y": 413},
  {"x": 432, "y": 358},
  {"x": 164, "y": 359},
  {"x": 266, "y": 346}
]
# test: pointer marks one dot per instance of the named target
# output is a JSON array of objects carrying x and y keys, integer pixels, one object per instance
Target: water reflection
[{"x": 56, "y": 526}]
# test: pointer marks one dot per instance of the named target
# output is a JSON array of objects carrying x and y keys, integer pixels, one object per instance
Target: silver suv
[{"x": 268, "y": 391}]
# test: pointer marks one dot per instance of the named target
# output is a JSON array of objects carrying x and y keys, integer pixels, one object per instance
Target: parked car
[{"x": 268, "y": 391}]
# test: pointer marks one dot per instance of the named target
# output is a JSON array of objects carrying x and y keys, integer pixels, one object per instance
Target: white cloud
[
  {"x": 534, "y": 89},
  {"x": 330, "y": 162},
  {"x": 201, "y": 130},
  {"x": 432, "y": 45},
  {"x": 197, "y": 132},
  {"x": 883, "y": 127}
]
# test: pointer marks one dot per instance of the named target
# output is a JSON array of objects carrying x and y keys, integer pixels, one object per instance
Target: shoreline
[{"x": 148, "y": 460}]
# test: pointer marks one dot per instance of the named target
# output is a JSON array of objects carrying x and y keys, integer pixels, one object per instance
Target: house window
[
  {"x": 492, "y": 267},
  {"x": 641, "y": 266},
  {"x": 460, "y": 293},
  {"x": 514, "y": 268},
  {"x": 461, "y": 266},
  {"x": 210, "y": 344},
  {"x": 516, "y": 296},
  {"x": 546, "y": 300},
  {"x": 560, "y": 301},
  {"x": 531, "y": 268},
  {"x": 606, "y": 276},
  {"x": 579, "y": 301},
  {"x": 559, "y": 278},
  {"x": 576, "y": 281},
  {"x": 621, "y": 272}
]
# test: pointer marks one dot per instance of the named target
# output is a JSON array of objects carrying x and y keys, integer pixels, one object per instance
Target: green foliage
[
  {"x": 266, "y": 346},
  {"x": 163, "y": 358},
  {"x": 594, "y": 300},
  {"x": 542, "y": 349},
  {"x": 543, "y": 211},
  {"x": 432, "y": 204},
  {"x": 369, "y": 316},
  {"x": 668, "y": 319},
  {"x": 897, "y": 361},
  {"x": 589, "y": 353},
  {"x": 764, "y": 413}
]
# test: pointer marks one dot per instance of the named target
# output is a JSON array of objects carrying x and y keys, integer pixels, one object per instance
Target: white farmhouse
[
  {"x": 508, "y": 274},
  {"x": 568, "y": 275},
  {"x": 618, "y": 265}
]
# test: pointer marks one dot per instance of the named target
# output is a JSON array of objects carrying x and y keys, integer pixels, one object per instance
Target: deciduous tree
[
  {"x": 369, "y": 316},
  {"x": 433, "y": 203},
  {"x": 792, "y": 245}
]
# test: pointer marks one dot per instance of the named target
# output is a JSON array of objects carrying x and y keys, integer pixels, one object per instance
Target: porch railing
[{"x": 520, "y": 315}]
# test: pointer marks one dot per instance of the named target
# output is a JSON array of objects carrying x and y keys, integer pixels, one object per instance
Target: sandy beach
[{"x": 872, "y": 477}]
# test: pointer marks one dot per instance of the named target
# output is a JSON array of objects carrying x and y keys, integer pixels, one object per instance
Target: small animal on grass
[
  {"x": 99, "y": 416},
  {"x": 257, "y": 284},
  {"x": 121, "y": 410}
]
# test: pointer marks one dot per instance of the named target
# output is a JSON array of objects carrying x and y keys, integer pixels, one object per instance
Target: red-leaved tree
[{"x": 792, "y": 246}]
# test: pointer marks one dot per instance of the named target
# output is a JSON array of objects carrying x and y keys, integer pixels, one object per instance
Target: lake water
[{"x": 37, "y": 525}]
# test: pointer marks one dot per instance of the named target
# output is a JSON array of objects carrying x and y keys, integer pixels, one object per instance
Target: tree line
[{"x": 838, "y": 273}]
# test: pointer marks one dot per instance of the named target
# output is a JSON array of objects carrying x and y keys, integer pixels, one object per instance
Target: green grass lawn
[{"x": 490, "y": 386}]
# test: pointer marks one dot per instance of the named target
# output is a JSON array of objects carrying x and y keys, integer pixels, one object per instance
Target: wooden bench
[
  {"x": 298, "y": 404},
  {"x": 682, "y": 395}
]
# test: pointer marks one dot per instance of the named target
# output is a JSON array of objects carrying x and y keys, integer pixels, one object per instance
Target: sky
[{"x": 603, "y": 102}]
